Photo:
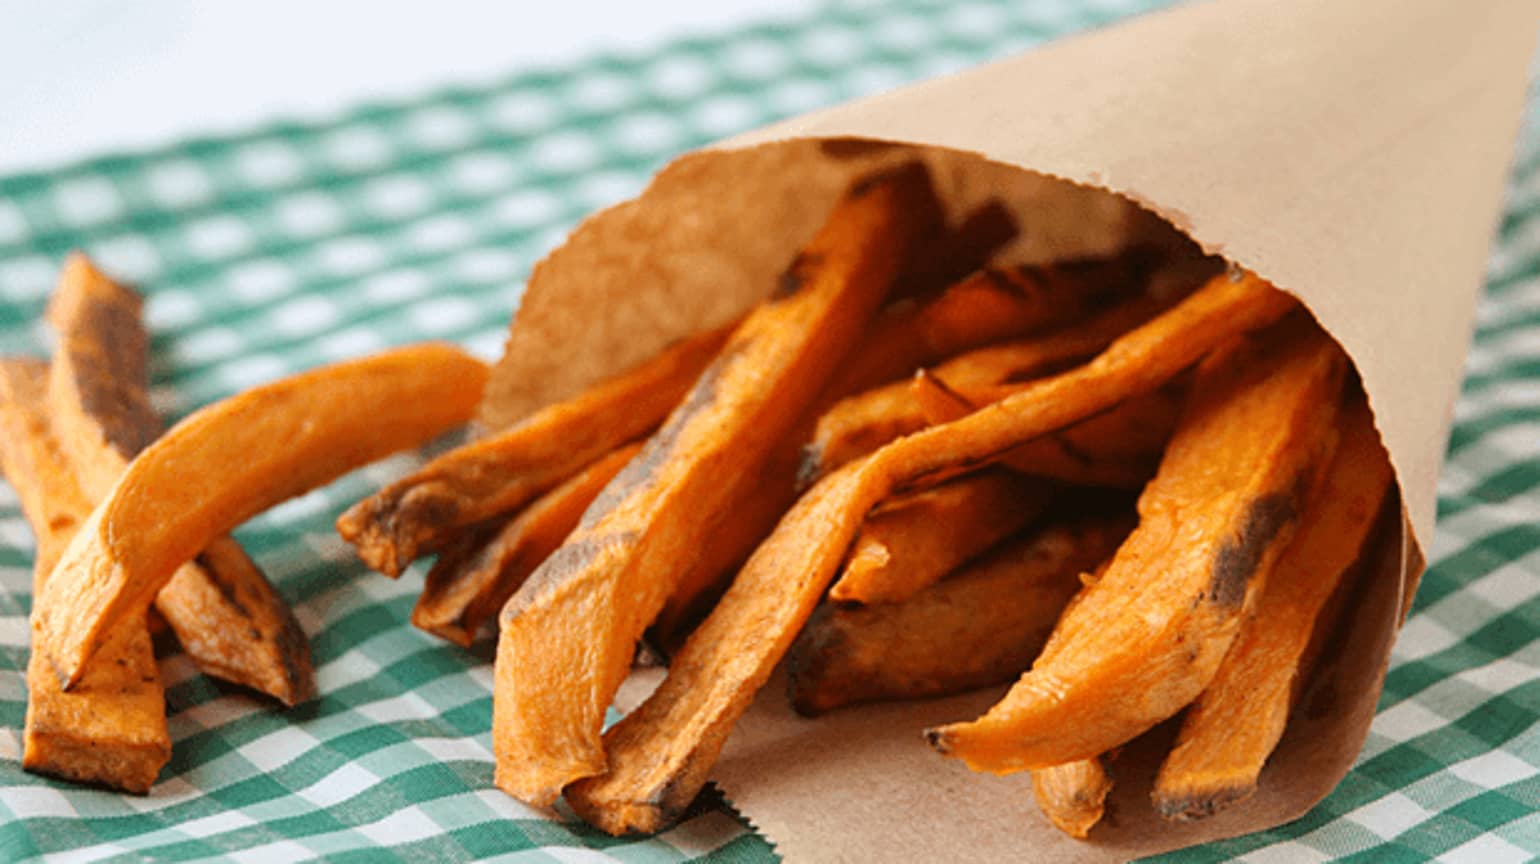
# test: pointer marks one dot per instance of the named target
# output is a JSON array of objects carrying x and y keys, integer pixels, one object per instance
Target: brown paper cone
[{"x": 1352, "y": 152}]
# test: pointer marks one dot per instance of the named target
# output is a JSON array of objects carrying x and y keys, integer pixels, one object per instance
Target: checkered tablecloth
[{"x": 298, "y": 244}]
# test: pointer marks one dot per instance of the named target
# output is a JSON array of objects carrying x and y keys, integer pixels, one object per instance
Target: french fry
[
  {"x": 1148, "y": 636},
  {"x": 912, "y": 540},
  {"x": 1073, "y": 795},
  {"x": 463, "y": 591},
  {"x": 1118, "y": 448},
  {"x": 859, "y": 424},
  {"x": 495, "y": 475},
  {"x": 964, "y": 249},
  {"x": 568, "y": 635},
  {"x": 112, "y": 728},
  {"x": 978, "y": 627},
  {"x": 224, "y": 612},
  {"x": 986, "y": 307},
  {"x": 229, "y": 461},
  {"x": 660, "y": 754},
  {"x": 1230, "y": 730}
]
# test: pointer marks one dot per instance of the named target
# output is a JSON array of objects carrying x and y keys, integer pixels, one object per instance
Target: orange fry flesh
[
  {"x": 225, "y": 614},
  {"x": 1145, "y": 639},
  {"x": 568, "y": 635},
  {"x": 913, "y": 540},
  {"x": 1118, "y": 448},
  {"x": 112, "y": 728},
  {"x": 988, "y": 306},
  {"x": 231, "y": 460},
  {"x": 1230, "y": 730},
  {"x": 496, "y": 474},
  {"x": 463, "y": 593},
  {"x": 660, "y": 754},
  {"x": 1073, "y": 795},
  {"x": 859, "y": 424},
  {"x": 980, "y": 626}
]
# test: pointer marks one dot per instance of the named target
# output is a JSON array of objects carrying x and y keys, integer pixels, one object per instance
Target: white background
[{"x": 83, "y": 77}]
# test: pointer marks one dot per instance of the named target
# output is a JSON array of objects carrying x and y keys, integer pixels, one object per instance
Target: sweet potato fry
[
  {"x": 463, "y": 591},
  {"x": 112, "y": 728},
  {"x": 224, "y": 612},
  {"x": 1118, "y": 448},
  {"x": 859, "y": 424},
  {"x": 980, "y": 626},
  {"x": 560, "y": 658},
  {"x": 1147, "y": 637},
  {"x": 497, "y": 474},
  {"x": 1229, "y": 731},
  {"x": 232, "y": 460},
  {"x": 964, "y": 249},
  {"x": 660, "y": 754},
  {"x": 985, "y": 307},
  {"x": 1074, "y": 795},
  {"x": 912, "y": 540}
]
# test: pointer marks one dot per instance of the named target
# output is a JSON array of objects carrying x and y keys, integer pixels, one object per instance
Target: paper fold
[{"x": 1352, "y": 152}]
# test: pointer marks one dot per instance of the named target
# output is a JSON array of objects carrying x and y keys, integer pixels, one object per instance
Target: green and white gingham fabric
[{"x": 299, "y": 244}]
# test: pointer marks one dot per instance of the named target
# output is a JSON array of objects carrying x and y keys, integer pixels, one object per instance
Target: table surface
[{"x": 289, "y": 194}]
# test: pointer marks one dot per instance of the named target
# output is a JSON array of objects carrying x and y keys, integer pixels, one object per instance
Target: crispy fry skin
[
  {"x": 227, "y": 617},
  {"x": 912, "y": 540},
  {"x": 495, "y": 475},
  {"x": 1147, "y": 637},
  {"x": 859, "y": 424},
  {"x": 569, "y": 634},
  {"x": 112, "y": 728},
  {"x": 1074, "y": 795},
  {"x": 462, "y": 592},
  {"x": 980, "y": 626},
  {"x": 1118, "y": 448},
  {"x": 660, "y": 755},
  {"x": 985, "y": 307},
  {"x": 1229, "y": 731},
  {"x": 232, "y": 460}
]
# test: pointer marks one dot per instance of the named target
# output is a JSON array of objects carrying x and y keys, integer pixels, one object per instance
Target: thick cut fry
[
  {"x": 495, "y": 475},
  {"x": 112, "y": 728},
  {"x": 569, "y": 634},
  {"x": 1149, "y": 635},
  {"x": 224, "y": 612},
  {"x": 463, "y": 591},
  {"x": 859, "y": 424},
  {"x": 913, "y": 540},
  {"x": 231, "y": 460},
  {"x": 980, "y": 626},
  {"x": 1118, "y": 448},
  {"x": 986, "y": 307},
  {"x": 660, "y": 754},
  {"x": 1074, "y": 795},
  {"x": 1234, "y": 725}
]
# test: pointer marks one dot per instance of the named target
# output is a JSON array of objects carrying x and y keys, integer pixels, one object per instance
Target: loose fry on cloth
[
  {"x": 1073, "y": 795},
  {"x": 661, "y": 753},
  {"x": 985, "y": 307},
  {"x": 913, "y": 540},
  {"x": 978, "y": 627},
  {"x": 231, "y": 460},
  {"x": 226, "y": 615},
  {"x": 569, "y": 634},
  {"x": 112, "y": 728},
  {"x": 490, "y": 477},
  {"x": 859, "y": 424},
  {"x": 1118, "y": 448},
  {"x": 463, "y": 592},
  {"x": 1148, "y": 636},
  {"x": 1230, "y": 730}
]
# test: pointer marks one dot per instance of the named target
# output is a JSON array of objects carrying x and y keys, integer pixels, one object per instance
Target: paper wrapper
[{"x": 1353, "y": 153}]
